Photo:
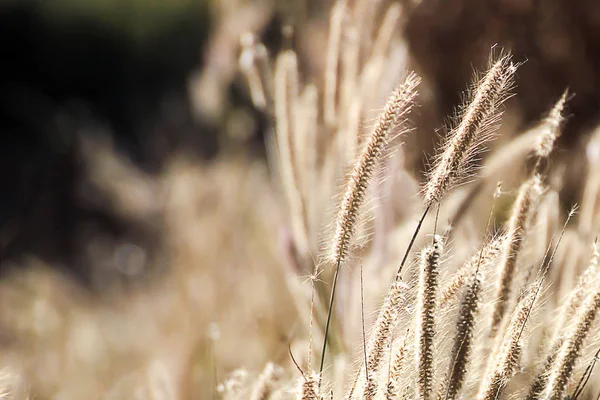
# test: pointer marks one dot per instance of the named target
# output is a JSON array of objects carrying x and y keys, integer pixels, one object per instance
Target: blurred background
[{"x": 134, "y": 172}]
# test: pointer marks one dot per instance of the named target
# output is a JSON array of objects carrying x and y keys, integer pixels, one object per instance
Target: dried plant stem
[
  {"x": 329, "y": 315},
  {"x": 425, "y": 326},
  {"x": 411, "y": 243},
  {"x": 311, "y": 318},
  {"x": 362, "y": 318}
]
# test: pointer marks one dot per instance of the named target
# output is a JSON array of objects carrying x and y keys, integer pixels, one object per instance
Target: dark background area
[
  {"x": 122, "y": 69},
  {"x": 70, "y": 74}
]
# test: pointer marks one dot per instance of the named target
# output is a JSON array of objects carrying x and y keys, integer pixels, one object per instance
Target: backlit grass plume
[
  {"x": 465, "y": 335},
  {"x": 478, "y": 122},
  {"x": 518, "y": 225},
  {"x": 550, "y": 129},
  {"x": 570, "y": 351},
  {"x": 395, "y": 111},
  {"x": 366, "y": 384},
  {"x": 506, "y": 357},
  {"x": 425, "y": 323}
]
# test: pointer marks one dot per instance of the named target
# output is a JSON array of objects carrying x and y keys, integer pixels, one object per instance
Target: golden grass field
[{"x": 461, "y": 242}]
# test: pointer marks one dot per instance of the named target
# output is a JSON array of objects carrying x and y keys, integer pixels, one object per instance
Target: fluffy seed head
[
  {"x": 576, "y": 297},
  {"x": 518, "y": 224},
  {"x": 309, "y": 389},
  {"x": 393, "y": 387},
  {"x": 264, "y": 384},
  {"x": 381, "y": 335},
  {"x": 506, "y": 356},
  {"x": 396, "y": 109},
  {"x": 463, "y": 341},
  {"x": 476, "y": 126},
  {"x": 426, "y": 308},
  {"x": 550, "y": 129},
  {"x": 566, "y": 360},
  {"x": 488, "y": 255}
]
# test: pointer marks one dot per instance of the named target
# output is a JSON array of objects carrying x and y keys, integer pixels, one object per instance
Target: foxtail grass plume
[
  {"x": 463, "y": 340},
  {"x": 550, "y": 129},
  {"x": 576, "y": 297},
  {"x": 529, "y": 194},
  {"x": 286, "y": 100},
  {"x": 395, "y": 374},
  {"x": 480, "y": 260},
  {"x": 379, "y": 339},
  {"x": 396, "y": 109},
  {"x": 254, "y": 63},
  {"x": 264, "y": 384},
  {"x": 506, "y": 357},
  {"x": 476, "y": 126},
  {"x": 309, "y": 389},
  {"x": 566, "y": 360},
  {"x": 425, "y": 324}
]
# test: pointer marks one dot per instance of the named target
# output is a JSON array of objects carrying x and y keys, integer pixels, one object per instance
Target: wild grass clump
[{"x": 449, "y": 327}]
